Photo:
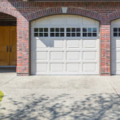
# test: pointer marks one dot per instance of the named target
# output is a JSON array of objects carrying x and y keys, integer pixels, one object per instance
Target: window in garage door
[{"x": 69, "y": 45}]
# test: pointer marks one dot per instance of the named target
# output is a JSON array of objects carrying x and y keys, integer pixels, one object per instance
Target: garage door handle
[
  {"x": 10, "y": 48},
  {"x": 7, "y": 48}
]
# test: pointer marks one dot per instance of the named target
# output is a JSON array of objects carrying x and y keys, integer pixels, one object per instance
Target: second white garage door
[
  {"x": 115, "y": 47},
  {"x": 65, "y": 44}
]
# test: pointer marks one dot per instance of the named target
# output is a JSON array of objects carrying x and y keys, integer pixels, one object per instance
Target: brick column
[
  {"x": 22, "y": 46},
  {"x": 105, "y": 50}
]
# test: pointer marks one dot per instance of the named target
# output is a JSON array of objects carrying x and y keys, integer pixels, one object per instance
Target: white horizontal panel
[
  {"x": 56, "y": 67},
  {"x": 41, "y": 67},
  {"x": 118, "y": 55},
  {"x": 42, "y": 21},
  {"x": 116, "y": 22},
  {"x": 41, "y": 43},
  {"x": 117, "y": 66},
  {"x": 117, "y": 43},
  {"x": 88, "y": 21},
  {"x": 58, "y": 20},
  {"x": 87, "y": 55},
  {"x": 73, "y": 20},
  {"x": 56, "y": 55},
  {"x": 73, "y": 67},
  {"x": 89, "y": 44},
  {"x": 42, "y": 55},
  {"x": 89, "y": 67},
  {"x": 73, "y": 55},
  {"x": 73, "y": 43},
  {"x": 57, "y": 43}
]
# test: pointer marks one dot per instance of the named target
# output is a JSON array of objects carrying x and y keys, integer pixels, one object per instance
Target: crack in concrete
[
  {"x": 114, "y": 88},
  {"x": 7, "y": 81}
]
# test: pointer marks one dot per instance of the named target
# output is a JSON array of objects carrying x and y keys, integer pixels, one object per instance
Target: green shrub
[{"x": 1, "y": 95}]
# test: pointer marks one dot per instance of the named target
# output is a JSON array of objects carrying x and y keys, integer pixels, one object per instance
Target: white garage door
[
  {"x": 115, "y": 47},
  {"x": 65, "y": 44}
]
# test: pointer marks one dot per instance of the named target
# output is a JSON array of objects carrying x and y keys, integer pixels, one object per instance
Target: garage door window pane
[
  {"x": 35, "y": 29},
  {"x": 94, "y": 29},
  {"x": 62, "y": 34},
  {"x": 45, "y": 29},
  {"x": 94, "y": 34},
  {"x": 35, "y": 34},
  {"x": 73, "y": 29},
  {"x": 89, "y": 32},
  {"x": 51, "y": 29},
  {"x": 61, "y": 29},
  {"x": 78, "y": 29},
  {"x": 116, "y": 32},
  {"x": 40, "y": 32},
  {"x": 78, "y": 34},
  {"x": 57, "y": 29},
  {"x": 40, "y": 29},
  {"x": 84, "y": 34},
  {"x": 57, "y": 32},
  {"x": 73, "y": 32},
  {"x": 52, "y": 34},
  {"x": 46, "y": 34},
  {"x": 84, "y": 29}
]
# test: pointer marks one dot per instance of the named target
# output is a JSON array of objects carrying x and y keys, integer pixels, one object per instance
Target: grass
[{"x": 1, "y": 95}]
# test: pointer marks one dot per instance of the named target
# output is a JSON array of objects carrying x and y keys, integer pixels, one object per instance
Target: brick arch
[
  {"x": 58, "y": 10},
  {"x": 114, "y": 16},
  {"x": 9, "y": 12}
]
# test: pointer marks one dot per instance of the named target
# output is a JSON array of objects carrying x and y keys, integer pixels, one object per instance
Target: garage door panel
[
  {"x": 89, "y": 67},
  {"x": 73, "y": 20},
  {"x": 118, "y": 68},
  {"x": 42, "y": 43},
  {"x": 73, "y": 67},
  {"x": 89, "y": 55},
  {"x": 57, "y": 43},
  {"x": 56, "y": 67},
  {"x": 57, "y": 55},
  {"x": 57, "y": 20},
  {"x": 60, "y": 47},
  {"x": 88, "y": 21},
  {"x": 41, "y": 22},
  {"x": 76, "y": 54},
  {"x": 118, "y": 55},
  {"x": 41, "y": 67},
  {"x": 118, "y": 43},
  {"x": 73, "y": 43},
  {"x": 89, "y": 44},
  {"x": 43, "y": 55}
]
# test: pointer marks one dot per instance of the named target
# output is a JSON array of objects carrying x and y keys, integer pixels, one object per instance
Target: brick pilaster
[
  {"x": 105, "y": 49},
  {"x": 22, "y": 46}
]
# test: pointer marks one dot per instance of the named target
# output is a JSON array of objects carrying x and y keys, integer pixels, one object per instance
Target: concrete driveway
[{"x": 59, "y": 98}]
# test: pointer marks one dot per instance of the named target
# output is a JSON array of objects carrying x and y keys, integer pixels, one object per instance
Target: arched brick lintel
[
  {"x": 114, "y": 16},
  {"x": 9, "y": 12},
  {"x": 58, "y": 10}
]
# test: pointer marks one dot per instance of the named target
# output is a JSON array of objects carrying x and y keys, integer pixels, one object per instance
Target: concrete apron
[{"x": 59, "y": 98}]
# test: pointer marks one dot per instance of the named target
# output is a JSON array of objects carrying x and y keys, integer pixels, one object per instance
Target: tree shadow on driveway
[{"x": 63, "y": 107}]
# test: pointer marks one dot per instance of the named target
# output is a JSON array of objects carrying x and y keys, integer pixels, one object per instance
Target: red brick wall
[{"x": 104, "y": 12}]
